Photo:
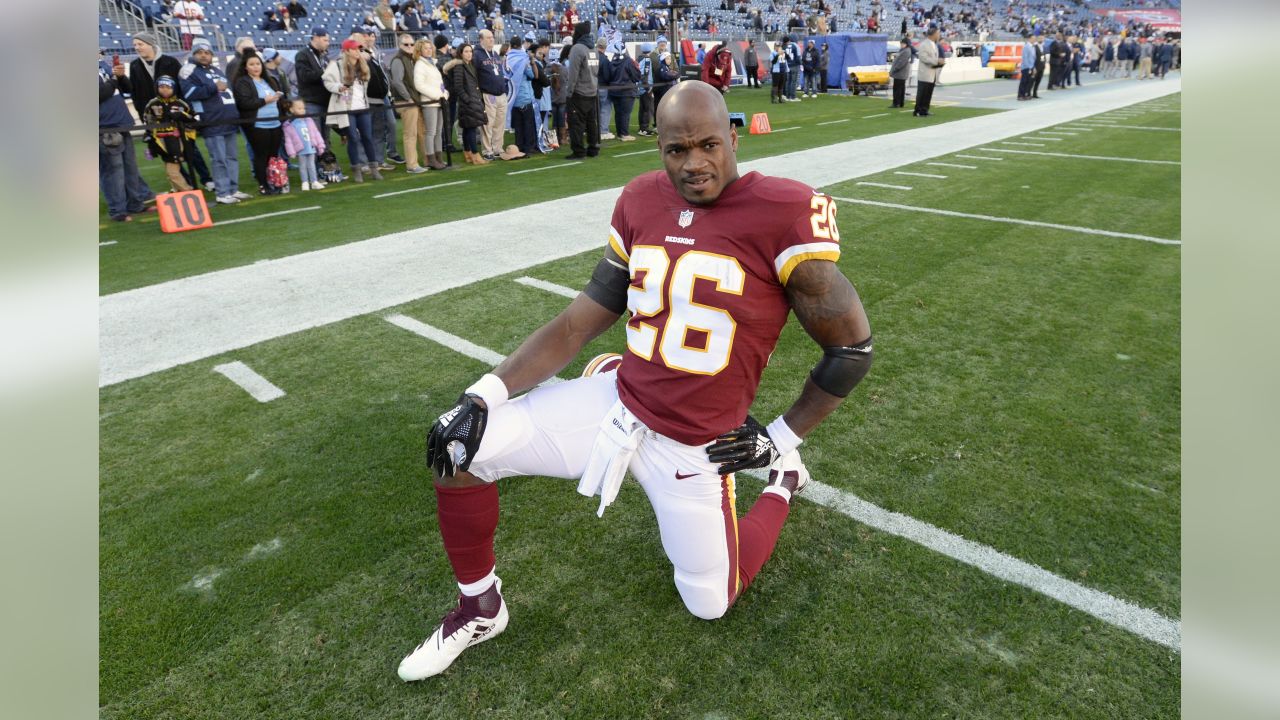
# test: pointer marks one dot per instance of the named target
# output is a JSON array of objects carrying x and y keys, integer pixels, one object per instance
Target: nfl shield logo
[{"x": 686, "y": 218}]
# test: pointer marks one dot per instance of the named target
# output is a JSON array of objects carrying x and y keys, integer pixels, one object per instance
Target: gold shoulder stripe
[{"x": 784, "y": 274}]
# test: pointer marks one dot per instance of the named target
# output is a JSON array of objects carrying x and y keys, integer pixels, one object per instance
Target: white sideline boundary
[
  {"x": 265, "y": 215},
  {"x": 1112, "y": 610},
  {"x": 107, "y": 242},
  {"x": 1012, "y": 221},
  {"x": 262, "y": 389},
  {"x": 918, "y": 174},
  {"x": 868, "y": 117},
  {"x": 978, "y": 157},
  {"x": 154, "y": 328},
  {"x": 884, "y": 185},
  {"x": 420, "y": 189},
  {"x": 548, "y": 286},
  {"x": 833, "y": 122},
  {"x": 1086, "y": 157},
  {"x": 953, "y": 165}
]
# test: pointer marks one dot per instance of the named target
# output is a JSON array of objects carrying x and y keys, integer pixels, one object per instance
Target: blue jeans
[
  {"x": 122, "y": 186},
  {"x": 606, "y": 110},
  {"x": 384, "y": 130},
  {"x": 793, "y": 78},
  {"x": 360, "y": 137},
  {"x": 226, "y": 163}
]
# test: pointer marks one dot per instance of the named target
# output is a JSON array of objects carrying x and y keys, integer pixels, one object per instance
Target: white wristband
[
  {"x": 490, "y": 389},
  {"x": 783, "y": 438}
]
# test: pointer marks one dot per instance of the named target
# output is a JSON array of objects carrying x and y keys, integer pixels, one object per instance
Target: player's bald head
[
  {"x": 697, "y": 143},
  {"x": 690, "y": 101}
]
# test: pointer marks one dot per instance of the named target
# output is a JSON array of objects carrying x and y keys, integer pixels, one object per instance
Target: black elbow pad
[
  {"x": 842, "y": 368},
  {"x": 608, "y": 286}
]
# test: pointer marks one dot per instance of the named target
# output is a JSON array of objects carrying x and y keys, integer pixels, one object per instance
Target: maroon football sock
[
  {"x": 758, "y": 532},
  {"x": 468, "y": 520}
]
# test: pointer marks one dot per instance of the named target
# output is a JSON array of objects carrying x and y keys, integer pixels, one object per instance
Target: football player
[{"x": 708, "y": 264}]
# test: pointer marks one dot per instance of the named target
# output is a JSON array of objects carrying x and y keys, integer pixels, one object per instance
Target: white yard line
[
  {"x": 1057, "y": 132},
  {"x": 251, "y": 382},
  {"x": 1024, "y": 144},
  {"x": 637, "y": 152},
  {"x": 420, "y": 189},
  {"x": 1041, "y": 137},
  {"x": 546, "y": 167},
  {"x": 161, "y": 326},
  {"x": 453, "y": 342},
  {"x": 868, "y": 117},
  {"x": 106, "y": 243},
  {"x": 953, "y": 165},
  {"x": 548, "y": 286},
  {"x": 787, "y": 129},
  {"x": 220, "y": 223},
  {"x": 884, "y": 185},
  {"x": 916, "y": 174},
  {"x": 1146, "y": 127},
  {"x": 1013, "y": 221},
  {"x": 1112, "y": 610},
  {"x": 833, "y": 122},
  {"x": 978, "y": 157},
  {"x": 1078, "y": 128},
  {"x": 1087, "y": 157}
]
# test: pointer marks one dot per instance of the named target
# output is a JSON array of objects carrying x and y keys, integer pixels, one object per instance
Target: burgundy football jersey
[{"x": 706, "y": 297}]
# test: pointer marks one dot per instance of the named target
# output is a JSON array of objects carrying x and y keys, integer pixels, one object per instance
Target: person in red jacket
[{"x": 717, "y": 68}]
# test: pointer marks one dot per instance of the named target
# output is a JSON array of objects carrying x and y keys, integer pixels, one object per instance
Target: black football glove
[
  {"x": 745, "y": 447},
  {"x": 455, "y": 436}
]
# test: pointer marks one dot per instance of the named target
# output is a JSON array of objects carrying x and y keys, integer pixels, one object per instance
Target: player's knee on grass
[{"x": 704, "y": 596}]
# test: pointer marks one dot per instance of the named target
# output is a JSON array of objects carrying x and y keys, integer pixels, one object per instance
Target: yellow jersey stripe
[{"x": 784, "y": 273}]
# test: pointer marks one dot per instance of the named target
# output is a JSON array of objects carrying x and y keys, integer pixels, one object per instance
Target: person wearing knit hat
[
  {"x": 201, "y": 44},
  {"x": 167, "y": 117},
  {"x": 144, "y": 71}
]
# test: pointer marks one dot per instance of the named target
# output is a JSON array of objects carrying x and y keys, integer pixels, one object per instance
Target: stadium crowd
[{"x": 437, "y": 95}]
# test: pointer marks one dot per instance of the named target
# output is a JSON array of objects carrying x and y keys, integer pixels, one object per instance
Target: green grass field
[{"x": 277, "y": 560}]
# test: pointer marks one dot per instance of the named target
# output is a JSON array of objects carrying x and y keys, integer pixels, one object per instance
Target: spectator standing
[
  {"x": 809, "y": 63},
  {"x": 604, "y": 82},
  {"x": 569, "y": 20},
  {"x": 258, "y": 99},
  {"x": 794, "y": 67},
  {"x": 189, "y": 15},
  {"x": 1164, "y": 58},
  {"x": 380, "y": 110},
  {"x": 428, "y": 84},
  {"x": 233, "y": 67},
  {"x": 404, "y": 92},
  {"x": 208, "y": 92},
  {"x": 122, "y": 186},
  {"x": 464, "y": 84},
  {"x": 309, "y": 65},
  {"x": 900, "y": 72},
  {"x": 1027, "y": 68},
  {"x": 751, "y": 65},
  {"x": 584, "y": 118},
  {"x": 385, "y": 19},
  {"x": 144, "y": 71},
  {"x": 646, "y": 89},
  {"x": 303, "y": 143},
  {"x": 347, "y": 79},
  {"x": 541, "y": 49},
  {"x": 824, "y": 64},
  {"x": 1145, "y": 53},
  {"x": 557, "y": 73},
  {"x": 493, "y": 87},
  {"x": 927, "y": 76},
  {"x": 778, "y": 74},
  {"x": 524, "y": 123},
  {"x": 626, "y": 78},
  {"x": 664, "y": 73},
  {"x": 445, "y": 52},
  {"x": 273, "y": 60},
  {"x": 1038, "y": 76}
]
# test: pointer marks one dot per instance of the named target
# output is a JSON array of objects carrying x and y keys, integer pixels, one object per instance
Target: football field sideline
[
  {"x": 1108, "y": 608},
  {"x": 158, "y": 327}
]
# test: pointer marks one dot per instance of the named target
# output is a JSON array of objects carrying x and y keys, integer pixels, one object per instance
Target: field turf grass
[
  {"x": 277, "y": 560},
  {"x": 143, "y": 255}
]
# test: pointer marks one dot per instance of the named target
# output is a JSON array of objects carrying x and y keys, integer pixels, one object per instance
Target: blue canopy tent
[{"x": 850, "y": 49}]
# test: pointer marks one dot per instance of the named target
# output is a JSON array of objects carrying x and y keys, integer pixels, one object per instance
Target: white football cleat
[
  {"x": 602, "y": 363},
  {"x": 462, "y": 628}
]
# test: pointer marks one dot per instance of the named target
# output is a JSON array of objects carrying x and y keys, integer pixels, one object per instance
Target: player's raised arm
[
  {"x": 828, "y": 307},
  {"x": 550, "y": 348}
]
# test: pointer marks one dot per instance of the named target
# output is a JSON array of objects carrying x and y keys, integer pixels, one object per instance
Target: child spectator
[
  {"x": 167, "y": 114},
  {"x": 303, "y": 142}
]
